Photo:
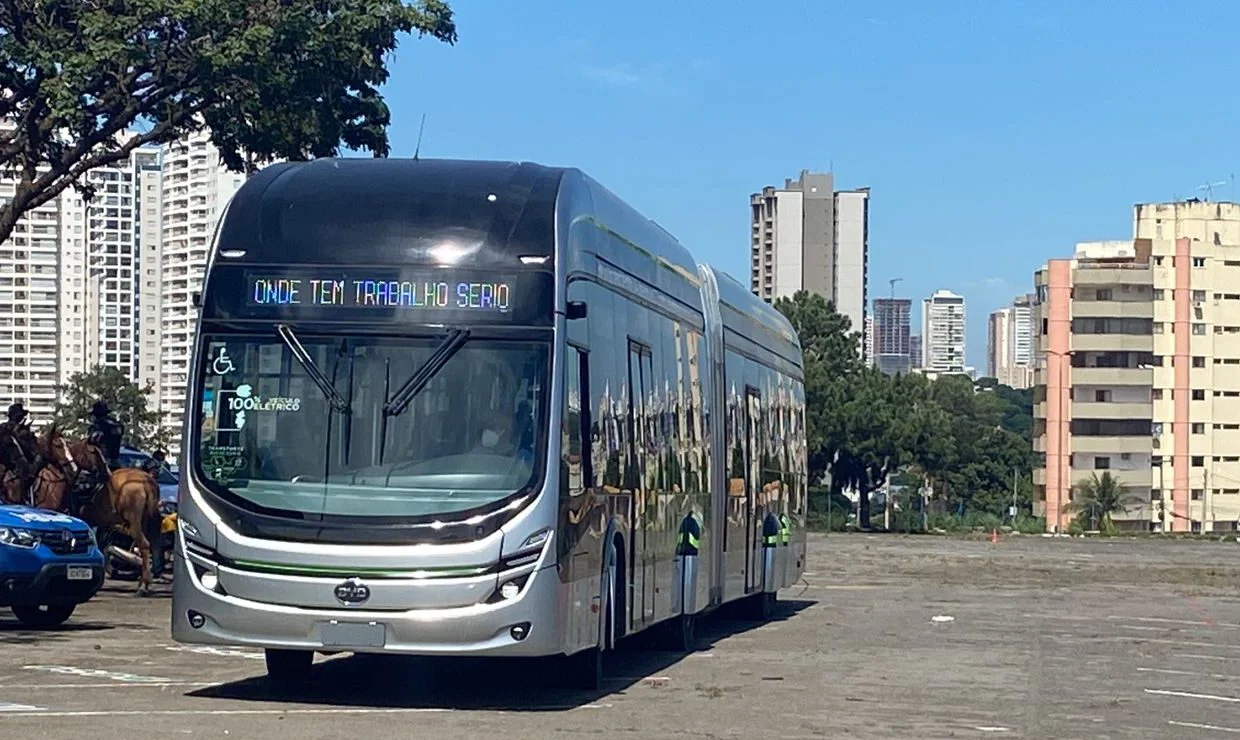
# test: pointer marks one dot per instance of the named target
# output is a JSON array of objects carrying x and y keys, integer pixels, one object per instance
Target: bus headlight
[
  {"x": 536, "y": 540},
  {"x": 210, "y": 580}
]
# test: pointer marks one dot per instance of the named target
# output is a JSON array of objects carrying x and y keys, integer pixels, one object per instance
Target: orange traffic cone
[{"x": 994, "y": 536}]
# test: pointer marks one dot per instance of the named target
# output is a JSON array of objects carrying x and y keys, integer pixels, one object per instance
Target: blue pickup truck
[{"x": 49, "y": 563}]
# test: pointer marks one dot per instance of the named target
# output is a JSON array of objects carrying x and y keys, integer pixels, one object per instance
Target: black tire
[
  {"x": 584, "y": 670},
  {"x": 44, "y": 617},
  {"x": 763, "y": 606},
  {"x": 680, "y": 633},
  {"x": 288, "y": 665}
]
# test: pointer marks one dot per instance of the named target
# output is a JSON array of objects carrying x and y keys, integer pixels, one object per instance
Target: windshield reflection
[{"x": 268, "y": 434}]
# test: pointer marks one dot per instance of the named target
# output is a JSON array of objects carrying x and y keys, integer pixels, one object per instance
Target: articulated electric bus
[{"x": 476, "y": 408}]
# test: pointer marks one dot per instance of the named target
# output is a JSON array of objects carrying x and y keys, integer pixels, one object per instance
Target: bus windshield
[{"x": 393, "y": 427}]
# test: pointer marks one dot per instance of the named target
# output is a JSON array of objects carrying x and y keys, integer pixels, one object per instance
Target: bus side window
[{"x": 575, "y": 433}]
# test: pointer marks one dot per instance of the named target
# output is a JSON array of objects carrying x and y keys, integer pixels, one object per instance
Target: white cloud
[{"x": 620, "y": 75}]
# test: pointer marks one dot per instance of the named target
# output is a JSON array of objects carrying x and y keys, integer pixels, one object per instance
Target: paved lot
[{"x": 1046, "y": 639}]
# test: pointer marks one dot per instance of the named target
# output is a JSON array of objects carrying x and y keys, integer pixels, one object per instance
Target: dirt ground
[{"x": 888, "y": 637}]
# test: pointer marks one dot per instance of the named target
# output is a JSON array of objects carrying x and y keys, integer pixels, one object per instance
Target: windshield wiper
[
  {"x": 413, "y": 386},
  {"x": 304, "y": 359}
]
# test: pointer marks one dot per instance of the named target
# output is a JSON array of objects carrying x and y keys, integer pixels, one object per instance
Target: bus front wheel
[
  {"x": 585, "y": 668},
  {"x": 288, "y": 665}
]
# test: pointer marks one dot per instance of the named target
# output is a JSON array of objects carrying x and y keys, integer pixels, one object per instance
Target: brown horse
[
  {"x": 12, "y": 488},
  {"x": 128, "y": 502},
  {"x": 61, "y": 471}
]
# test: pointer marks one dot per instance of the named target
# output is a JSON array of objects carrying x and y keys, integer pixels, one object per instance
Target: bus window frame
[{"x": 439, "y": 527}]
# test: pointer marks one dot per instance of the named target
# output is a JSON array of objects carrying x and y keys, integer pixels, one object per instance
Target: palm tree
[{"x": 1097, "y": 498}]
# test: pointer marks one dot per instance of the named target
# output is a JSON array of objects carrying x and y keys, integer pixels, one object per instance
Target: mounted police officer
[
  {"x": 19, "y": 450},
  {"x": 154, "y": 463},
  {"x": 106, "y": 433}
]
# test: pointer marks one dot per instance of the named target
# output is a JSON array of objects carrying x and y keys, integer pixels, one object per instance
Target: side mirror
[{"x": 576, "y": 310}]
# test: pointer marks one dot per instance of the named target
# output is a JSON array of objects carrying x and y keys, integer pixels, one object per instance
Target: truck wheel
[
  {"x": 289, "y": 665},
  {"x": 44, "y": 617}
]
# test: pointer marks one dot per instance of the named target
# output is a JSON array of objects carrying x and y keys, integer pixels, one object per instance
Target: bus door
[
  {"x": 753, "y": 482},
  {"x": 642, "y": 556}
]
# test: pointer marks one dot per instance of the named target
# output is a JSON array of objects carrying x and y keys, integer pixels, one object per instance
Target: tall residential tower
[
  {"x": 195, "y": 188},
  {"x": 892, "y": 352},
  {"x": 808, "y": 236},
  {"x": 942, "y": 333},
  {"x": 67, "y": 277},
  {"x": 1009, "y": 344}
]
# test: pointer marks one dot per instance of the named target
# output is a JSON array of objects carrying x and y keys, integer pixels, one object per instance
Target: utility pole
[
  {"x": 1205, "y": 496},
  {"x": 1015, "y": 478},
  {"x": 887, "y": 503},
  {"x": 925, "y": 501}
]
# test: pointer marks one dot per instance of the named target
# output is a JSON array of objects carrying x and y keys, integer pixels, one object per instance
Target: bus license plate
[
  {"x": 353, "y": 634},
  {"x": 80, "y": 573}
]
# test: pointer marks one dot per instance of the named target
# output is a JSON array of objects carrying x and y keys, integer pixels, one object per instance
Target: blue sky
[{"x": 994, "y": 134}]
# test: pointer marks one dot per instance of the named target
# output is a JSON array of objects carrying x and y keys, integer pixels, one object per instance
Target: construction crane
[
  {"x": 893, "y": 282},
  {"x": 1209, "y": 188}
]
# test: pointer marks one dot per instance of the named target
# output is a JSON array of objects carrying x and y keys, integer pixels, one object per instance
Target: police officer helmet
[
  {"x": 100, "y": 409},
  {"x": 17, "y": 411}
]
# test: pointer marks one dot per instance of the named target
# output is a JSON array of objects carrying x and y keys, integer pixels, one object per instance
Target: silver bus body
[{"x": 698, "y": 381}]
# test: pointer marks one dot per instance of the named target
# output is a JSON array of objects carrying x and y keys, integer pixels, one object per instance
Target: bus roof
[
  {"x": 356, "y": 211},
  {"x": 389, "y": 211},
  {"x": 750, "y": 316}
]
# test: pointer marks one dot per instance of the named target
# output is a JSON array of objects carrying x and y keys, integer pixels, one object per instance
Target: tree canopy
[
  {"x": 269, "y": 79},
  {"x": 1097, "y": 499},
  {"x": 125, "y": 400},
  {"x": 969, "y": 442}
]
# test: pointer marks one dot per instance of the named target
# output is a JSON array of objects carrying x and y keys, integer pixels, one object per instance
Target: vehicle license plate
[
  {"x": 353, "y": 634},
  {"x": 80, "y": 573}
]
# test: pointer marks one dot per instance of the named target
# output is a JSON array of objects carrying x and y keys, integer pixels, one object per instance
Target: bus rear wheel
[
  {"x": 762, "y": 605},
  {"x": 680, "y": 633},
  {"x": 288, "y": 665}
]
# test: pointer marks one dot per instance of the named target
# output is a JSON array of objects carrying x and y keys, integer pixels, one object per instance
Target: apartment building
[
  {"x": 808, "y": 236},
  {"x": 149, "y": 280},
  {"x": 1138, "y": 370},
  {"x": 1009, "y": 343},
  {"x": 867, "y": 338},
  {"x": 943, "y": 333},
  {"x": 892, "y": 350},
  {"x": 30, "y": 307},
  {"x": 67, "y": 286},
  {"x": 194, "y": 189}
]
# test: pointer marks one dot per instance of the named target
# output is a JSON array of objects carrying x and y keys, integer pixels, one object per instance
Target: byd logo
[{"x": 352, "y": 592}]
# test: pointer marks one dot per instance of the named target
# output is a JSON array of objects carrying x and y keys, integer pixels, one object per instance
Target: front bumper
[
  {"x": 51, "y": 585},
  {"x": 483, "y": 629}
]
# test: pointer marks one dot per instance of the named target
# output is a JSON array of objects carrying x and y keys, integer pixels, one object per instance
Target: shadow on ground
[
  {"x": 158, "y": 591},
  {"x": 480, "y": 683},
  {"x": 13, "y": 632}
]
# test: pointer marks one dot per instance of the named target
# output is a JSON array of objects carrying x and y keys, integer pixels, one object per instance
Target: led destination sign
[
  {"x": 378, "y": 292},
  {"x": 408, "y": 295}
]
